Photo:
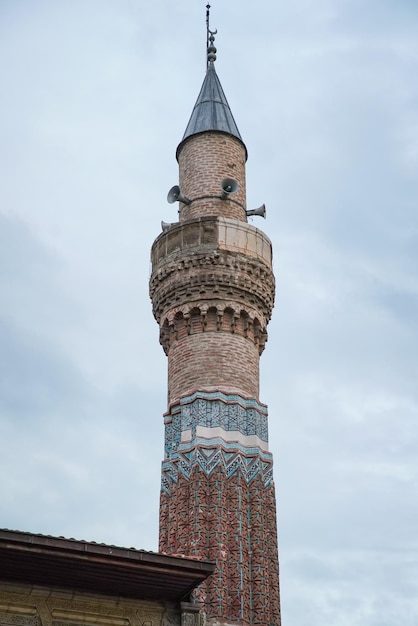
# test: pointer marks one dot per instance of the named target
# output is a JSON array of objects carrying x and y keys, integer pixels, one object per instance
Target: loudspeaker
[
  {"x": 174, "y": 195},
  {"x": 166, "y": 225},
  {"x": 228, "y": 185},
  {"x": 260, "y": 211}
]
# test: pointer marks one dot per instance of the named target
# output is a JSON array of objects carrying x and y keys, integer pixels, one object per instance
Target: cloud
[
  {"x": 356, "y": 595},
  {"x": 95, "y": 100},
  {"x": 33, "y": 378},
  {"x": 78, "y": 437}
]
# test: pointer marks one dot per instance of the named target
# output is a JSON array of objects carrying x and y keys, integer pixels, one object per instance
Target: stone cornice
[
  {"x": 216, "y": 275},
  {"x": 211, "y": 316}
]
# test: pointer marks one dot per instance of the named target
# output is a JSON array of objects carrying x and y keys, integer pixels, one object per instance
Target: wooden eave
[{"x": 98, "y": 568}]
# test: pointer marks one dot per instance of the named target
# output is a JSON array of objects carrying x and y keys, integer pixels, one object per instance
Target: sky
[{"x": 96, "y": 95}]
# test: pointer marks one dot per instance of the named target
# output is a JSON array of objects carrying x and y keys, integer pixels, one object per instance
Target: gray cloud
[{"x": 325, "y": 96}]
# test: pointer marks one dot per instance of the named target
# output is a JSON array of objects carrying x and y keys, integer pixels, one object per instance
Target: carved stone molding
[
  {"x": 12, "y": 614},
  {"x": 219, "y": 275},
  {"x": 191, "y": 615},
  {"x": 29, "y": 606},
  {"x": 205, "y": 316}
]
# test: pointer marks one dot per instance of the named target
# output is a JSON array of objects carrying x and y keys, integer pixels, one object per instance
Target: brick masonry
[
  {"x": 204, "y": 161},
  {"x": 212, "y": 290}
]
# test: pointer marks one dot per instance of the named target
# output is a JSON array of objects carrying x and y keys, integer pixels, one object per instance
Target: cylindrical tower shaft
[
  {"x": 212, "y": 290},
  {"x": 205, "y": 160}
]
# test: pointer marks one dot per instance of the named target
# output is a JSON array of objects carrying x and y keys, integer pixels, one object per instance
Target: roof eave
[{"x": 98, "y": 568}]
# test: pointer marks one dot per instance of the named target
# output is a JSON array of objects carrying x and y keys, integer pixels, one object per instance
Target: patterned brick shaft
[{"x": 218, "y": 502}]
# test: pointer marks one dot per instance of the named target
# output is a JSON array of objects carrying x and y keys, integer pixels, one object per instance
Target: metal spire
[
  {"x": 211, "y": 111},
  {"x": 210, "y": 38}
]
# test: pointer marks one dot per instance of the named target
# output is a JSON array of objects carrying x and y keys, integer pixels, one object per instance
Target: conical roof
[{"x": 211, "y": 111}]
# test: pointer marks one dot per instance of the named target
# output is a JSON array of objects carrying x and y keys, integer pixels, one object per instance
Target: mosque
[{"x": 212, "y": 291}]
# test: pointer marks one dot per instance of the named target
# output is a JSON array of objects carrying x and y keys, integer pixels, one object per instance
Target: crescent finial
[{"x": 210, "y": 38}]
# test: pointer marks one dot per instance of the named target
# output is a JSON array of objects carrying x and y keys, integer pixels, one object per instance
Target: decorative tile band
[
  {"x": 227, "y": 398},
  {"x": 216, "y": 414},
  {"x": 209, "y": 459},
  {"x": 214, "y": 429}
]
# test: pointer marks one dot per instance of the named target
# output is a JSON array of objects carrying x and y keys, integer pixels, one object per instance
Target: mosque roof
[{"x": 99, "y": 568}]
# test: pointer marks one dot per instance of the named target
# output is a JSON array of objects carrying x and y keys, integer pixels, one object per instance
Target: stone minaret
[{"x": 212, "y": 290}]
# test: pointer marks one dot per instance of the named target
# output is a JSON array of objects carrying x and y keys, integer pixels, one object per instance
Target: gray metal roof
[
  {"x": 211, "y": 111},
  {"x": 99, "y": 568}
]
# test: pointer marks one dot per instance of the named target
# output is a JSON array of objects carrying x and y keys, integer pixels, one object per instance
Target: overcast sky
[{"x": 95, "y": 97}]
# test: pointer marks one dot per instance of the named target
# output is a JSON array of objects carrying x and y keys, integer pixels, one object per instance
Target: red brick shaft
[
  {"x": 213, "y": 361},
  {"x": 204, "y": 161}
]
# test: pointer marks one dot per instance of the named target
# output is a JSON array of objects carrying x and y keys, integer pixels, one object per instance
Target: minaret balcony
[{"x": 212, "y": 259}]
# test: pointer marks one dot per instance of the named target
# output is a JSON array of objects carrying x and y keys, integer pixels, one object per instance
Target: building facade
[
  {"x": 53, "y": 581},
  {"x": 212, "y": 290}
]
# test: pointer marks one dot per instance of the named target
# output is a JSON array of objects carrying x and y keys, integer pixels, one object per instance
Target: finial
[{"x": 210, "y": 38}]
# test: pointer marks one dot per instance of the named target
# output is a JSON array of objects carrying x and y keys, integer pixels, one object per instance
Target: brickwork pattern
[
  {"x": 218, "y": 502},
  {"x": 212, "y": 303},
  {"x": 204, "y": 161},
  {"x": 205, "y": 316},
  {"x": 233, "y": 522},
  {"x": 202, "y": 360},
  {"x": 218, "y": 276}
]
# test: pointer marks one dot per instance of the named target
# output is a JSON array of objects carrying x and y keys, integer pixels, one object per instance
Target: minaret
[{"x": 212, "y": 290}]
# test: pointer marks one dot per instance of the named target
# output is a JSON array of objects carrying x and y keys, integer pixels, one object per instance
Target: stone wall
[{"x": 30, "y": 605}]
